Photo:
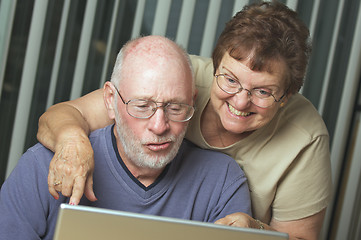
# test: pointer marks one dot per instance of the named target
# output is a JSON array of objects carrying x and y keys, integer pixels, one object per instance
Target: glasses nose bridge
[
  {"x": 159, "y": 105},
  {"x": 240, "y": 89}
]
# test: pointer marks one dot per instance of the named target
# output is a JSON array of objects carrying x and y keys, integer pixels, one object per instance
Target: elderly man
[{"x": 142, "y": 163}]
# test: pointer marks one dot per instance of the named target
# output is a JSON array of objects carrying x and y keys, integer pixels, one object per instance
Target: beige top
[{"x": 287, "y": 162}]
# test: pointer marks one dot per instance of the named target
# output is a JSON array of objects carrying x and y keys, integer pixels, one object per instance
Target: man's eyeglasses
[
  {"x": 141, "y": 108},
  {"x": 258, "y": 97}
]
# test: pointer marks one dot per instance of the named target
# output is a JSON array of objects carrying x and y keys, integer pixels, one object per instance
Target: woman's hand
[
  {"x": 240, "y": 219},
  {"x": 71, "y": 169},
  {"x": 64, "y": 129}
]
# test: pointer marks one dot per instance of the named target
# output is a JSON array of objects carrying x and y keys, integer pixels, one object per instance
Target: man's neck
[{"x": 146, "y": 176}]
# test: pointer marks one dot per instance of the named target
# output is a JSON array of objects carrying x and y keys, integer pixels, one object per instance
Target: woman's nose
[{"x": 242, "y": 99}]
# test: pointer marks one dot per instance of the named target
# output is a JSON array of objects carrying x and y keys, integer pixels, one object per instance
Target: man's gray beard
[{"x": 134, "y": 151}]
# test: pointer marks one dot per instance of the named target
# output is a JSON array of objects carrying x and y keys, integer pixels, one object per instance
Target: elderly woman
[{"x": 247, "y": 107}]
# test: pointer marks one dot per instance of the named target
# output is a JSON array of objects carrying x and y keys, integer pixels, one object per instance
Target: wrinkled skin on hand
[
  {"x": 72, "y": 168},
  {"x": 238, "y": 219}
]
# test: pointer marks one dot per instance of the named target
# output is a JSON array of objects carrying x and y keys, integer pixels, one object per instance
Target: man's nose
[{"x": 159, "y": 123}]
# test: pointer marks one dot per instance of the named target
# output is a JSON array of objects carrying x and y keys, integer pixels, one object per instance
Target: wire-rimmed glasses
[
  {"x": 257, "y": 96},
  {"x": 142, "y": 108}
]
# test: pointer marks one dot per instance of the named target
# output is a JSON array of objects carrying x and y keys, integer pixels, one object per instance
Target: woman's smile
[{"x": 237, "y": 112}]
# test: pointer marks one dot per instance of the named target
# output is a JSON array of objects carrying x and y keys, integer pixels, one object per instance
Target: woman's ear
[
  {"x": 109, "y": 93},
  {"x": 285, "y": 99}
]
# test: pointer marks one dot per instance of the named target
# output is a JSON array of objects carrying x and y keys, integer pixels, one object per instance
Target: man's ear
[{"x": 109, "y": 93}]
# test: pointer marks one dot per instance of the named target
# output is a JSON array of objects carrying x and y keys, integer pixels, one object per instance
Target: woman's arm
[
  {"x": 306, "y": 228},
  {"x": 64, "y": 129},
  {"x": 84, "y": 114}
]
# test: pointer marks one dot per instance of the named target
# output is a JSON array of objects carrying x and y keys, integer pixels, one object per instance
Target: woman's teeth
[{"x": 236, "y": 112}]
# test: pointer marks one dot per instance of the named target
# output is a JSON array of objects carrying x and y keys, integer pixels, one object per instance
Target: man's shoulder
[
  {"x": 95, "y": 135},
  {"x": 34, "y": 162},
  {"x": 39, "y": 151},
  {"x": 209, "y": 163}
]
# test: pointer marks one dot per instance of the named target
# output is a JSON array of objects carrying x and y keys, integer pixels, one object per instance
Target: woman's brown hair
[{"x": 267, "y": 33}]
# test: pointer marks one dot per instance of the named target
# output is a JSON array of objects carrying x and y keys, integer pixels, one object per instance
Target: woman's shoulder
[
  {"x": 300, "y": 113},
  {"x": 203, "y": 70}
]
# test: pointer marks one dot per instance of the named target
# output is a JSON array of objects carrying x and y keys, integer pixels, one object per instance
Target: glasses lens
[
  {"x": 141, "y": 108},
  {"x": 228, "y": 84},
  {"x": 263, "y": 103},
  {"x": 262, "y": 98},
  {"x": 179, "y": 112}
]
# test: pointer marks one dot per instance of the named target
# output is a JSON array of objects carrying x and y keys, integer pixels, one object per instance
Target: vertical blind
[{"x": 53, "y": 51}]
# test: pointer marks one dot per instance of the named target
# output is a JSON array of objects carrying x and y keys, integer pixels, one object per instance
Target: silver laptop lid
[{"x": 81, "y": 222}]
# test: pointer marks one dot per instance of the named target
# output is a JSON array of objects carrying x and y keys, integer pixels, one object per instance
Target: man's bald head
[{"x": 150, "y": 52}]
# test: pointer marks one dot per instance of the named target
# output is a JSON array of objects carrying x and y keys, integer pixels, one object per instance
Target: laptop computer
[{"x": 82, "y": 222}]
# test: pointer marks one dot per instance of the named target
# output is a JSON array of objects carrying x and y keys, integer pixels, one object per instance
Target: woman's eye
[
  {"x": 231, "y": 81},
  {"x": 262, "y": 93}
]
